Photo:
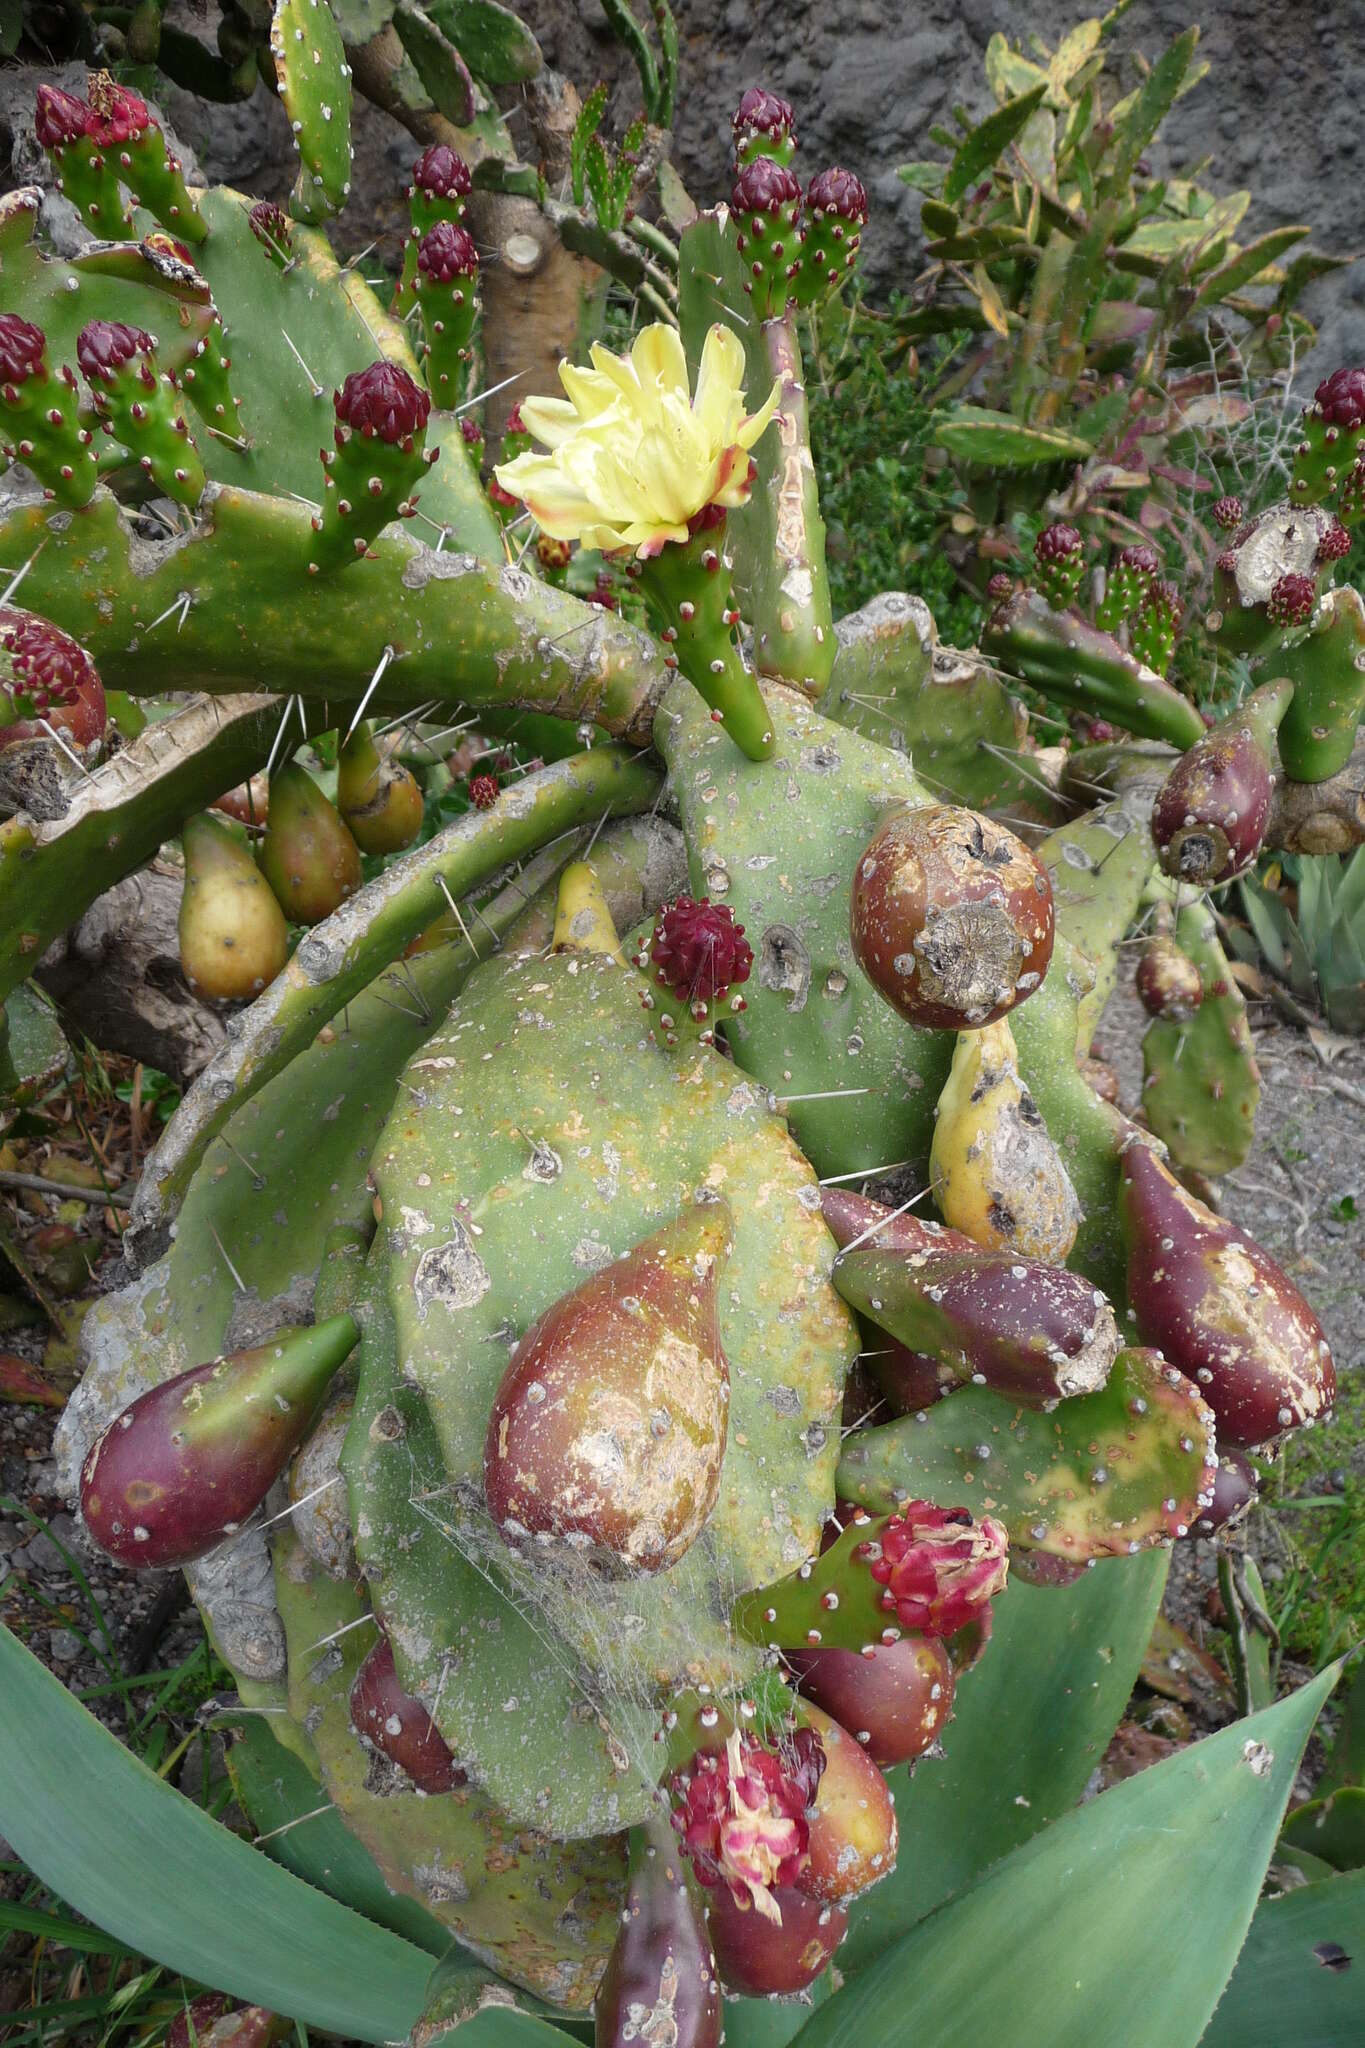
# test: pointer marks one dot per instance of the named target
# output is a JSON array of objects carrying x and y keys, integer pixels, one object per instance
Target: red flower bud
[
  {"x": 1335, "y": 543},
  {"x": 1291, "y": 601},
  {"x": 60, "y": 117},
  {"x": 1340, "y": 398},
  {"x": 441, "y": 174},
  {"x": 22, "y": 346},
  {"x": 1228, "y": 513},
  {"x": 103, "y": 347},
  {"x": 120, "y": 116},
  {"x": 839, "y": 192},
  {"x": 699, "y": 951},
  {"x": 483, "y": 791},
  {"x": 447, "y": 252},
  {"x": 270, "y": 223},
  {"x": 940, "y": 1566},
  {"x": 763, "y": 111},
  {"x": 382, "y": 400},
  {"x": 764, "y": 186}
]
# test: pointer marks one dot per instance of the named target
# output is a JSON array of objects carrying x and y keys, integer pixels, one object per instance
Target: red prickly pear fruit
[
  {"x": 1168, "y": 982},
  {"x": 398, "y": 1725},
  {"x": 483, "y": 791},
  {"x": 233, "y": 937},
  {"x": 940, "y": 1566},
  {"x": 632, "y": 1360},
  {"x": 376, "y": 796},
  {"x": 743, "y": 1813},
  {"x": 45, "y": 674},
  {"x": 248, "y": 803},
  {"x": 186, "y": 1464},
  {"x": 1210, "y": 817},
  {"x": 660, "y": 1983},
  {"x": 60, "y": 118},
  {"x": 213, "y": 2021},
  {"x": 758, "y": 1958},
  {"x": 1291, "y": 601},
  {"x": 308, "y": 857},
  {"x": 951, "y": 917},
  {"x": 1235, "y": 1487},
  {"x": 895, "y": 1699},
  {"x": 852, "y": 1842},
  {"x": 851, "y": 1216},
  {"x": 1220, "y": 1309},
  {"x": 699, "y": 952}
]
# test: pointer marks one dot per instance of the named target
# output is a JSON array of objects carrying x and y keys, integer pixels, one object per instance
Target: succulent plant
[{"x": 517, "y": 1214}]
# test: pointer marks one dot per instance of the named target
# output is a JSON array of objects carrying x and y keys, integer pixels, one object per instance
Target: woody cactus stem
[
  {"x": 687, "y": 589},
  {"x": 39, "y": 416},
  {"x": 793, "y": 613}
]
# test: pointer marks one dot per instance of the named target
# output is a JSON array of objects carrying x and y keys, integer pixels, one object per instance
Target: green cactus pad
[
  {"x": 1326, "y": 665},
  {"x": 778, "y": 541},
  {"x": 893, "y": 682},
  {"x": 832, "y": 1602},
  {"x": 497, "y": 47},
  {"x": 314, "y": 83},
  {"x": 1201, "y": 1084},
  {"x": 1103, "y": 1475},
  {"x": 542, "y": 1913},
  {"x": 1068, "y": 659},
  {"x": 1099, "y": 865},
  {"x": 777, "y": 843}
]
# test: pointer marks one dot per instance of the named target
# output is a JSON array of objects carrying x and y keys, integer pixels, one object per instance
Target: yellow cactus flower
[{"x": 633, "y": 455}]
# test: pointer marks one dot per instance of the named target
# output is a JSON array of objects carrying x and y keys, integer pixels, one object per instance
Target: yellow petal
[
  {"x": 658, "y": 360},
  {"x": 551, "y": 420},
  {"x": 748, "y": 430},
  {"x": 720, "y": 385}
]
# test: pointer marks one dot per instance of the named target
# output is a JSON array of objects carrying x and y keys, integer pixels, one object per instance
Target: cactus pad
[
  {"x": 314, "y": 82},
  {"x": 1201, "y": 1085}
]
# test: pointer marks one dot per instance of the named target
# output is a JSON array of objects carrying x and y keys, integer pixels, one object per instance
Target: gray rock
[
  {"x": 40, "y": 1554},
  {"x": 64, "y": 1645}
]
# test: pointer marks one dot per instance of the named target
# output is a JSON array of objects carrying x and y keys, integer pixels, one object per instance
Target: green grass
[{"x": 1316, "y": 1524}]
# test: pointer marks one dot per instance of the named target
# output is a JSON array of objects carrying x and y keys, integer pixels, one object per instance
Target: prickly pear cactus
[{"x": 540, "y": 1182}]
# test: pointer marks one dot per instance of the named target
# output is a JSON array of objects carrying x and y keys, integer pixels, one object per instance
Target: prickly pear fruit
[
  {"x": 46, "y": 675},
  {"x": 894, "y": 1698},
  {"x": 1131, "y": 573},
  {"x": 1220, "y": 1308},
  {"x": 765, "y": 200},
  {"x": 1234, "y": 1489},
  {"x": 376, "y": 795},
  {"x": 1059, "y": 563},
  {"x": 65, "y": 127},
  {"x": 233, "y": 937},
  {"x": 759, "y": 1958},
  {"x": 743, "y": 1813},
  {"x": 1168, "y": 982},
  {"x": 608, "y": 1430},
  {"x": 851, "y": 1216},
  {"x": 764, "y": 125},
  {"x": 852, "y": 1818},
  {"x": 399, "y": 1726},
  {"x": 379, "y": 456},
  {"x": 836, "y": 212},
  {"x": 1210, "y": 817},
  {"x": 660, "y": 1982},
  {"x": 951, "y": 917},
  {"x": 1034, "y": 1332},
  {"x": 186, "y": 1464},
  {"x": 308, "y": 857},
  {"x": 996, "y": 1173}
]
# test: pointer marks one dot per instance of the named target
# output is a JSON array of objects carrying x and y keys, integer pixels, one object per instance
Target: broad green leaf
[
  {"x": 978, "y": 152},
  {"x": 282, "y": 1799},
  {"x": 924, "y": 177},
  {"x": 1149, "y": 108},
  {"x": 1332, "y": 1829},
  {"x": 979, "y": 435},
  {"x": 1076, "y": 48},
  {"x": 1247, "y": 265},
  {"x": 1131, "y": 1907},
  {"x": 1300, "y": 1979},
  {"x": 1007, "y": 73},
  {"x": 1030, "y": 1726},
  {"x": 127, "y": 1851}
]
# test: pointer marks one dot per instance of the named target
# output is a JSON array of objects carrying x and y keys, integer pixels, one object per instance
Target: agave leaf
[
  {"x": 988, "y": 141},
  {"x": 1346, "y": 1758},
  {"x": 1030, "y": 1725},
  {"x": 127, "y": 1851},
  {"x": 1350, "y": 888},
  {"x": 1298, "y": 1977},
  {"x": 1071, "y": 1937},
  {"x": 1332, "y": 1829}
]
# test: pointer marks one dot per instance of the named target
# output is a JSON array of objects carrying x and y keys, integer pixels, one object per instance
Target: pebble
[{"x": 64, "y": 1645}]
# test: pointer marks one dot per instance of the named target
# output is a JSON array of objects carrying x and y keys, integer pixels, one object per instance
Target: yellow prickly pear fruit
[
  {"x": 997, "y": 1175},
  {"x": 309, "y": 858},
  {"x": 233, "y": 938},
  {"x": 377, "y": 797}
]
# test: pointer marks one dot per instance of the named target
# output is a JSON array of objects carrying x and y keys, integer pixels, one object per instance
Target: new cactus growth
[
  {"x": 125, "y": 130},
  {"x": 308, "y": 857},
  {"x": 139, "y": 406},
  {"x": 1220, "y": 1308},
  {"x": 446, "y": 289},
  {"x": 1059, "y": 563},
  {"x": 1327, "y": 668},
  {"x": 699, "y": 953},
  {"x": 48, "y": 685},
  {"x": 183, "y": 1467},
  {"x": 763, "y": 125},
  {"x": 67, "y": 129},
  {"x": 1209, "y": 820},
  {"x": 40, "y": 411},
  {"x": 1332, "y": 430},
  {"x": 233, "y": 936},
  {"x": 379, "y": 455},
  {"x": 835, "y": 212},
  {"x": 608, "y": 1431},
  {"x": 1155, "y": 623},
  {"x": 951, "y": 917},
  {"x": 765, "y": 200},
  {"x": 1131, "y": 574}
]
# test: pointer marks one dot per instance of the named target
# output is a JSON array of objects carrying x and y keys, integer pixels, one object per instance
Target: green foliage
[
  {"x": 595, "y": 171},
  {"x": 1316, "y": 946}
]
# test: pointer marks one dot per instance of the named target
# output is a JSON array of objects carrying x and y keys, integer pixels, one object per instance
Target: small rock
[
  {"x": 40, "y": 1554},
  {"x": 64, "y": 1645}
]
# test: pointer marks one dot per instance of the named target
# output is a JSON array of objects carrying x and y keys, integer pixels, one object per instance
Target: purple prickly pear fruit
[
  {"x": 660, "y": 1982},
  {"x": 765, "y": 201},
  {"x": 852, "y": 1817},
  {"x": 1220, "y": 1309},
  {"x": 1059, "y": 563},
  {"x": 139, "y": 407},
  {"x": 895, "y": 1700},
  {"x": 1291, "y": 601},
  {"x": 213, "y": 2021},
  {"x": 743, "y": 1813},
  {"x": 483, "y": 791},
  {"x": 1234, "y": 1489},
  {"x": 951, "y": 917},
  {"x": 851, "y": 1216},
  {"x": 633, "y": 1355},
  {"x": 700, "y": 953},
  {"x": 1227, "y": 512},
  {"x": 184, "y": 1466},
  {"x": 377, "y": 797},
  {"x": 274, "y": 230},
  {"x": 758, "y": 1958},
  {"x": 1168, "y": 982},
  {"x": 398, "y": 1725},
  {"x": 308, "y": 857},
  {"x": 1334, "y": 543},
  {"x": 1034, "y": 1332},
  {"x": 763, "y": 125},
  {"x": 45, "y": 676},
  {"x": 233, "y": 937},
  {"x": 1210, "y": 817}
]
